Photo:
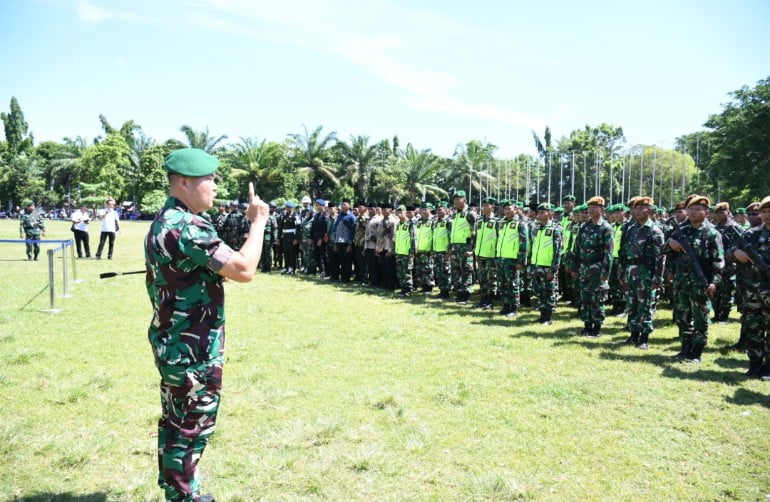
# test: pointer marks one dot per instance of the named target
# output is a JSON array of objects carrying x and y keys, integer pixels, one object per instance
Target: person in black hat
[
  {"x": 288, "y": 229},
  {"x": 343, "y": 240},
  {"x": 359, "y": 241},
  {"x": 270, "y": 240},
  {"x": 319, "y": 232}
]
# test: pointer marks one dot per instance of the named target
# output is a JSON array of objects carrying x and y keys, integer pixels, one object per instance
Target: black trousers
[
  {"x": 388, "y": 271},
  {"x": 345, "y": 259},
  {"x": 373, "y": 268},
  {"x": 333, "y": 266},
  {"x": 102, "y": 238},
  {"x": 289, "y": 251},
  {"x": 82, "y": 242},
  {"x": 319, "y": 253},
  {"x": 360, "y": 264}
]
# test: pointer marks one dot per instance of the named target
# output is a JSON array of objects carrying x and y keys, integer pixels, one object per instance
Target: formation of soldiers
[{"x": 624, "y": 258}]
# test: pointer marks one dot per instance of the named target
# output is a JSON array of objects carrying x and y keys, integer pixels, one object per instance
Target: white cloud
[{"x": 87, "y": 11}]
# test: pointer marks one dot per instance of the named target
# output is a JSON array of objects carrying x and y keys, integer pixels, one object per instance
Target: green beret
[
  {"x": 581, "y": 207},
  {"x": 401, "y": 208},
  {"x": 558, "y": 209},
  {"x": 26, "y": 203},
  {"x": 192, "y": 162},
  {"x": 459, "y": 193},
  {"x": 489, "y": 200},
  {"x": 569, "y": 198},
  {"x": 545, "y": 206},
  {"x": 443, "y": 203},
  {"x": 426, "y": 205},
  {"x": 740, "y": 210},
  {"x": 659, "y": 210},
  {"x": 611, "y": 209}
]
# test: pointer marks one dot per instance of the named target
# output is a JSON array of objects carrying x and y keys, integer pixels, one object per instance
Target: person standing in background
[
  {"x": 80, "y": 219},
  {"x": 110, "y": 227}
]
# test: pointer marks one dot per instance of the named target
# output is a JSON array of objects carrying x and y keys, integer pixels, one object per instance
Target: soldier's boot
[
  {"x": 740, "y": 345},
  {"x": 684, "y": 352},
  {"x": 490, "y": 302},
  {"x": 427, "y": 289},
  {"x": 596, "y": 330},
  {"x": 506, "y": 308},
  {"x": 586, "y": 329},
  {"x": 444, "y": 294},
  {"x": 632, "y": 339},
  {"x": 462, "y": 297},
  {"x": 642, "y": 342},
  {"x": 755, "y": 367},
  {"x": 696, "y": 350},
  {"x": 764, "y": 372},
  {"x": 546, "y": 317},
  {"x": 512, "y": 312},
  {"x": 526, "y": 300},
  {"x": 481, "y": 303}
]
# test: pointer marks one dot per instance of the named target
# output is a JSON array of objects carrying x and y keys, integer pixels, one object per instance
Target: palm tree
[
  {"x": 473, "y": 168},
  {"x": 312, "y": 156},
  {"x": 65, "y": 164},
  {"x": 358, "y": 158},
  {"x": 200, "y": 139},
  {"x": 421, "y": 168},
  {"x": 258, "y": 161}
]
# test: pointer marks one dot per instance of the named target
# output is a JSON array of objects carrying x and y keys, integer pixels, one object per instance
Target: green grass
[{"x": 349, "y": 394}]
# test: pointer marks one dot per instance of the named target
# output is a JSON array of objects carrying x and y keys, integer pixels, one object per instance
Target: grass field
[{"x": 349, "y": 394}]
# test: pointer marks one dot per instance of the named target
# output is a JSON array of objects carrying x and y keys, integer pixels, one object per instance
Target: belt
[{"x": 291, "y": 231}]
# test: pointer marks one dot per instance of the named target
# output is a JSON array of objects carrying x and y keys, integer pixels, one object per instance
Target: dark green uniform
[
  {"x": 31, "y": 226},
  {"x": 723, "y": 298},
  {"x": 404, "y": 250},
  {"x": 545, "y": 258},
  {"x": 592, "y": 259},
  {"x": 512, "y": 251},
  {"x": 442, "y": 229},
  {"x": 423, "y": 259},
  {"x": 485, "y": 250},
  {"x": 461, "y": 249},
  {"x": 756, "y": 305}
]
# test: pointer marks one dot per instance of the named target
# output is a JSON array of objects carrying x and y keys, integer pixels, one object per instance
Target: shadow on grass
[
  {"x": 732, "y": 363},
  {"x": 62, "y": 497},
  {"x": 725, "y": 377},
  {"x": 747, "y": 397}
]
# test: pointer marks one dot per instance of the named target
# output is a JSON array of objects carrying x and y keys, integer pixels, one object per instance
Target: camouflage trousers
[
  {"x": 616, "y": 294},
  {"x": 593, "y": 294},
  {"x": 543, "y": 288},
  {"x": 266, "y": 259},
  {"x": 756, "y": 321},
  {"x": 189, "y": 397},
  {"x": 442, "y": 268},
  {"x": 32, "y": 249},
  {"x": 640, "y": 298},
  {"x": 462, "y": 268},
  {"x": 423, "y": 270},
  {"x": 691, "y": 308},
  {"x": 508, "y": 281},
  {"x": 487, "y": 274},
  {"x": 723, "y": 298},
  {"x": 308, "y": 260},
  {"x": 404, "y": 268}
]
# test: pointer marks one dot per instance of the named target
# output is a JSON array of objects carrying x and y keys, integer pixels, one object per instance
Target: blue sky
[{"x": 436, "y": 73}]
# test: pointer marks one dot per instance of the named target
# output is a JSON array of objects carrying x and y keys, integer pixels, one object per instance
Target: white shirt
[
  {"x": 110, "y": 221},
  {"x": 81, "y": 219}
]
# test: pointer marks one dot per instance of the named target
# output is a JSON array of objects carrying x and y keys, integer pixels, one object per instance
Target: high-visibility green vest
[
  {"x": 617, "y": 237},
  {"x": 440, "y": 237},
  {"x": 542, "y": 247},
  {"x": 508, "y": 240},
  {"x": 486, "y": 239},
  {"x": 403, "y": 239},
  {"x": 566, "y": 231},
  {"x": 424, "y": 236},
  {"x": 461, "y": 229}
]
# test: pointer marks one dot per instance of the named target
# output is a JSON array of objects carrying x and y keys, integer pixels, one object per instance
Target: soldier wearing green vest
[
  {"x": 573, "y": 285},
  {"x": 740, "y": 218},
  {"x": 567, "y": 205},
  {"x": 461, "y": 247},
  {"x": 545, "y": 258},
  {"x": 616, "y": 216},
  {"x": 485, "y": 251},
  {"x": 512, "y": 250},
  {"x": 423, "y": 260},
  {"x": 404, "y": 250},
  {"x": 440, "y": 247}
]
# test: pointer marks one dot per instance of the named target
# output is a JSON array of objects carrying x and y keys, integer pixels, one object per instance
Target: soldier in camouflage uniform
[
  {"x": 423, "y": 260},
  {"x": 692, "y": 300},
  {"x": 744, "y": 275},
  {"x": 544, "y": 260},
  {"x": 442, "y": 229},
  {"x": 306, "y": 242},
  {"x": 186, "y": 262},
  {"x": 641, "y": 261},
  {"x": 723, "y": 298},
  {"x": 31, "y": 228},
  {"x": 461, "y": 247},
  {"x": 404, "y": 249},
  {"x": 616, "y": 215},
  {"x": 591, "y": 266},
  {"x": 269, "y": 241},
  {"x": 512, "y": 250},
  {"x": 230, "y": 225},
  {"x": 484, "y": 250},
  {"x": 756, "y": 307}
]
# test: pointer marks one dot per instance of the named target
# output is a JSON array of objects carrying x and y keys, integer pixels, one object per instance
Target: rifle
[
  {"x": 679, "y": 236},
  {"x": 106, "y": 275},
  {"x": 749, "y": 249}
]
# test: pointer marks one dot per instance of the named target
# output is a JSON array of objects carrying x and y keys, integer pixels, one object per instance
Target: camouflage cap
[{"x": 192, "y": 162}]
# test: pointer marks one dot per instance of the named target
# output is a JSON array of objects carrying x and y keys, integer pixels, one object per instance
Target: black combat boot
[
  {"x": 462, "y": 297},
  {"x": 755, "y": 367},
  {"x": 586, "y": 329},
  {"x": 444, "y": 294},
  {"x": 696, "y": 349},
  {"x": 632, "y": 339},
  {"x": 526, "y": 301},
  {"x": 596, "y": 330},
  {"x": 506, "y": 308},
  {"x": 642, "y": 341},
  {"x": 546, "y": 319},
  {"x": 684, "y": 352},
  {"x": 481, "y": 303},
  {"x": 427, "y": 289},
  {"x": 512, "y": 311}
]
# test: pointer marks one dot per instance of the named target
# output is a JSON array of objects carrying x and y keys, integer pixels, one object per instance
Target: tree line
[{"x": 729, "y": 159}]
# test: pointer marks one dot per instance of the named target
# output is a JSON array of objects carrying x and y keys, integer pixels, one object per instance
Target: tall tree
[
  {"x": 421, "y": 168},
  {"x": 740, "y": 144},
  {"x": 16, "y": 129},
  {"x": 108, "y": 162},
  {"x": 472, "y": 169},
  {"x": 262, "y": 162},
  {"x": 357, "y": 161},
  {"x": 312, "y": 155},
  {"x": 200, "y": 139}
]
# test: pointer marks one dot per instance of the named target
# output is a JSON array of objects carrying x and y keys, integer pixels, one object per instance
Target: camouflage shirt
[
  {"x": 183, "y": 256},
  {"x": 707, "y": 244},
  {"x": 594, "y": 247},
  {"x": 31, "y": 224},
  {"x": 643, "y": 245},
  {"x": 359, "y": 238}
]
